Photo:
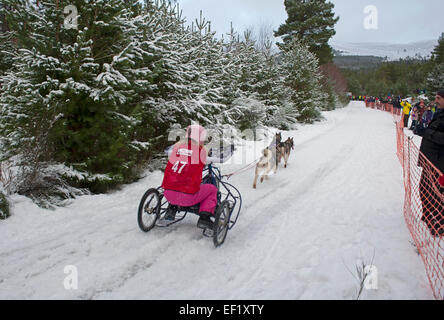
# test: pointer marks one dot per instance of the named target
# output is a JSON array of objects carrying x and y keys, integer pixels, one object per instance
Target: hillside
[
  {"x": 390, "y": 51},
  {"x": 358, "y": 62}
]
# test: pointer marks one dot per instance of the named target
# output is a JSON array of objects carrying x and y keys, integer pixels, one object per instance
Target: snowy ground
[{"x": 299, "y": 235}]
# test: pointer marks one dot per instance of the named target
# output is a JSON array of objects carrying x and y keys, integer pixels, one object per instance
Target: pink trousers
[{"x": 206, "y": 196}]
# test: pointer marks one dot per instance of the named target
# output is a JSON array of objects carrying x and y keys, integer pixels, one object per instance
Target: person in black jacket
[{"x": 431, "y": 192}]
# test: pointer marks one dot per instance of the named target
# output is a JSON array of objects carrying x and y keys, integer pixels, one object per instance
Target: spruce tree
[
  {"x": 202, "y": 54},
  {"x": 438, "y": 52},
  {"x": 311, "y": 21},
  {"x": 270, "y": 82},
  {"x": 435, "y": 81},
  {"x": 231, "y": 72},
  {"x": 435, "y": 76},
  {"x": 244, "y": 79},
  {"x": 68, "y": 99},
  {"x": 274, "y": 94},
  {"x": 300, "y": 68},
  {"x": 5, "y": 42},
  {"x": 251, "y": 62},
  {"x": 4, "y": 206}
]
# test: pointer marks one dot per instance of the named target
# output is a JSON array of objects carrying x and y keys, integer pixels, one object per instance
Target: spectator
[
  {"x": 414, "y": 116},
  {"x": 406, "y": 107},
  {"x": 421, "y": 108},
  {"x": 428, "y": 115},
  {"x": 431, "y": 192},
  {"x": 424, "y": 121}
]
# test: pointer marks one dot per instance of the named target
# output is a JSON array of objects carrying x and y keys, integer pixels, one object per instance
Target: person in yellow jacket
[{"x": 406, "y": 107}]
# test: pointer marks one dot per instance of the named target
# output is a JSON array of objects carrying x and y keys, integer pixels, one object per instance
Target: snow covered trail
[{"x": 299, "y": 235}]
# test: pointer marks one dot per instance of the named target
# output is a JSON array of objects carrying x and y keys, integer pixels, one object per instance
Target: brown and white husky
[
  {"x": 285, "y": 150},
  {"x": 269, "y": 160}
]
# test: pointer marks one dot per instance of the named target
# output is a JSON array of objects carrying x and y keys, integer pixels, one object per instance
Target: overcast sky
[{"x": 399, "y": 21}]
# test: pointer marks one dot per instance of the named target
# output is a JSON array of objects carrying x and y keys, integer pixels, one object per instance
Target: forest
[
  {"x": 89, "y": 108},
  {"x": 410, "y": 76}
]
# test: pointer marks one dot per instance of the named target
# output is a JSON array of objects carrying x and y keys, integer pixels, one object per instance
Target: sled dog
[
  {"x": 285, "y": 150},
  {"x": 269, "y": 160}
]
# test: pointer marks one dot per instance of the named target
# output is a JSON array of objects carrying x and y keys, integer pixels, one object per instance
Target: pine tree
[
  {"x": 142, "y": 64},
  {"x": 203, "y": 58},
  {"x": 270, "y": 82},
  {"x": 274, "y": 94},
  {"x": 5, "y": 42},
  {"x": 435, "y": 81},
  {"x": 13, "y": 22},
  {"x": 311, "y": 21},
  {"x": 210, "y": 68},
  {"x": 247, "y": 82},
  {"x": 183, "y": 68},
  {"x": 4, "y": 206},
  {"x": 251, "y": 63},
  {"x": 232, "y": 65},
  {"x": 302, "y": 78},
  {"x": 438, "y": 52},
  {"x": 67, "y": 102}
]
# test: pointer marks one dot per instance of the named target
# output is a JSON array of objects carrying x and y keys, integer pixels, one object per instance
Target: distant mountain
[
  {"x": 358, "y": 62},
  {"x": 390, "y": 51}
]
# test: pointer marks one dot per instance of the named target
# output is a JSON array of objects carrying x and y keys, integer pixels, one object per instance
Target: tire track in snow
[
  {"x": 234, "y": 270},
  {"x": 311, "y": 182},
  {"x": 319, "y": 175}
]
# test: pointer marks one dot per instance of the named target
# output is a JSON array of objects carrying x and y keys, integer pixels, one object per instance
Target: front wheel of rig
[
  {"x": 149, "y": 210},
  {"x": 221, "y": 223}
]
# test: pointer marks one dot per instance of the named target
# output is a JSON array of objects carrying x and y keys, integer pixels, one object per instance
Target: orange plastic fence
[{"x": 424, "y": 202}]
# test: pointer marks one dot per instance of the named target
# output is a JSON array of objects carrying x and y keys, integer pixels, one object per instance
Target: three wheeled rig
[{"x": 153, "y": 207}]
